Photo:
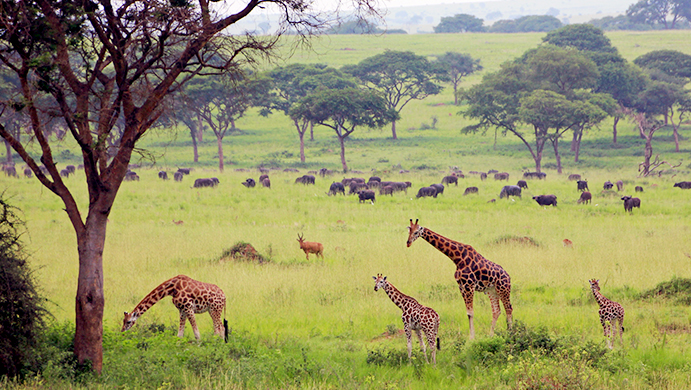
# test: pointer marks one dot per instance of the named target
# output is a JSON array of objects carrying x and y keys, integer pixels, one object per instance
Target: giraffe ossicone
[
  {"x": 189, "y": 297},
  {"x": 415, "y": 318},
  {"x": 473, "y": 273}
]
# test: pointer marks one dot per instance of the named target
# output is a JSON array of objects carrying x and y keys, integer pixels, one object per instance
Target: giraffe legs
[
  {"x": 468, "y": 294},
  {"x": 183, "y": 318},
  {"x": 496, "y": 310},
  {"x": 193, "y": 322},
  {"x": 409, "y": 335},
  {"x": 423, "y": 347},
  {"x": 219, "y": 330}
]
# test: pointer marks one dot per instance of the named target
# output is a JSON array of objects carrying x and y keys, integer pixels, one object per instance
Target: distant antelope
[{"x": 311, "y": 247}]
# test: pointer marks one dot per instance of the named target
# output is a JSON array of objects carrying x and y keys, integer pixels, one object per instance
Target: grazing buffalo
[
  {"x": 71, "y": 169},
  {"x": 204, "y": 183},
  {"x": 291, "y": 170},
  {"x": 305, "y": 179},
  {"x": 163, "y": 175},
  {"x": 685, "y": 185},
  {"x": 323, "y": 172},
  {"x": 470, "y": 190},
  {"x": 620, "y": 185},
  {"x": 585, "y": 197},
  {"x": 131, "y": 176},
  {"x": 630, "y": 203},
  {"x": 262, "y": 177},
  {"x": 608, "y": 185},
  {"x": 523, "y": 184},
  {"x": 501, "y": 176},
  {"x": 215, "y": 180},
  {"x": 453, "y": 179},
  {"x": 366, "y": 195},
  {"x": 184, "y": 171},
  {"x": 546, "y": 200},
  {"x": 66, "y": 173},
  {"x": 177, "y": 176},
  {"x": 491, "y": 171},
  {"x": 266, "y": 183},
  {"x": 28, "y": 172},
  {"x": 335, "y": 188},
  {"x": 639, "y": 189},
  {"x": 426, "y": 191},
  {"x": 507, "y": 191},
  {"x": 582, "y": 185},
  {"x": 374, "y": 179},
  {"x": 534, "y": 175},
  {"x": 438, "y": 187},
  {"x": 10, "y": 171},
  {"x": 386, "y": 190},
  {"x": 356, "y": 186},
  {"x": 249, "y": 183},
  {"x": 574, "y": 177}
]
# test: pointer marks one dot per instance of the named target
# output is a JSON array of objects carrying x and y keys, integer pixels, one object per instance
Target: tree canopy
[
  {"x": 585, "y": 37},
  {"x": 665, "y": 13},
  {"x": 459, "y": 23},
  {"x": 530, "y": 23},
  {"x": 671, "y": 62},
  {"x": 457, "y": 66}
]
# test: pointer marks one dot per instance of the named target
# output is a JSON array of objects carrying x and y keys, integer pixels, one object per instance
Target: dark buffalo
[
  {"x": 366, "y": 195},
  {"x": 546, "y": 200},
  {"x": 501, "y": 176},
  {"x": 10, "y": 171},
  {"x": 177, "y": 176},
  {"x": 386, "y": 190},
  {"x": 630, "y": 203},
  {"x": 266, "y": 183},
  {"x": 582, "y": 185},
  {"x": 262, "y": 177},
  {"x": 507, "y": 191},
  {"x": 574, "y": 177},
  {"x": 453, "y": 179},
  {"x": 184, "y": 171},
  {"x": 620, "y": 185},
  {"x": 163, "y": 175},
  {"x": 426, "y": 191},
  {"x": 356, "y": 186},
  {"x": 66, "y": 173},
  {"x": 249, "y": 183},
  {"x": 28, "y": 172},
  {"x": 491, "y": 171},
  {"x": 131, "y": 176},
  {"x": 585, "y": 197},
  {"x": 470, "y": 190},
  {"x": 522, "y": 184},
  {"x": 305, "y": 179},
  {"x": 323, "y": 172},
  {"x": 534, "y": 175},
  {"x": 685, "y": 185},
  {"x": 639, "y": 189},
  {"x": 204, "y": 183},
  {"x": 608, "y": 185},
  {"x": 215, "y": 180},
  {"x": 439, "y": 188},
  {"x": 71, "y": 169},
  {"x": 336, "y": 187}
]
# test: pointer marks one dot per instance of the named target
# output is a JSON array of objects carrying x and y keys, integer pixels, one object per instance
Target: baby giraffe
[
  {"x": 415, "y": 317},
  {"x": 610, "y": 313}
]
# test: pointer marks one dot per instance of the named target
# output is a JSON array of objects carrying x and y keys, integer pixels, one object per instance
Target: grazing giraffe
[
  {"x": 473, "y": 273},
  {"x": 610, "y": 313},
  {"x": 190, "y": 297},
  {"x": 415, "y": 317}
]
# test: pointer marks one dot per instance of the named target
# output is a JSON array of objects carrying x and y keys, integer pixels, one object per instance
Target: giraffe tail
[
  {"x": 225, "y": 326},
  {"x": 438, "y": 344}
]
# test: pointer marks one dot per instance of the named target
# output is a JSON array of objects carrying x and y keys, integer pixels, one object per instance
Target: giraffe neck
[
  {"x": 601, "y": 300},
  {"x": 446, "y": 246},
  {"x": 163, "y": 290},
  {"x": 397, "y": 297}
]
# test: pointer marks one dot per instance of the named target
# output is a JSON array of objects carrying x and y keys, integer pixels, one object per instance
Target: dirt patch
[
  {"x": 674, "y": 328},
  {"x": 243, "y": 251}
]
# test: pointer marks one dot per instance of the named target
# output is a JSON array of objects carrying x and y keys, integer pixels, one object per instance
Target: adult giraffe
[{"x": 473, "y": 273}]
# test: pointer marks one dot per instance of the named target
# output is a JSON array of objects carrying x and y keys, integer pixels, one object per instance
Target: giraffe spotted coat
[{"x": 611, "y": 314}]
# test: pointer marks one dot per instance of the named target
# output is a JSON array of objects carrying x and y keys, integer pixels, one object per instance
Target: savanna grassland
[{"x": 317, "y": 323}]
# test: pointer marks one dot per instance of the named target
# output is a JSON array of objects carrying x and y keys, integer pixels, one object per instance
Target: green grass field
[{"x": 318, "y": 323}]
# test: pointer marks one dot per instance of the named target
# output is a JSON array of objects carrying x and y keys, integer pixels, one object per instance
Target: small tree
[
  {"x": 459, "y": 23},
  {"x": 400, "y": 76},
  {"x": 343, "y": 110},
  {"x": 21, "y": 306},
  {"x": 457, "y": 66}
]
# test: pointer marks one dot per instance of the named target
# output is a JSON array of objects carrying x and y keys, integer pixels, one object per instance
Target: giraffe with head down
[{"x": 473, "y": 273}]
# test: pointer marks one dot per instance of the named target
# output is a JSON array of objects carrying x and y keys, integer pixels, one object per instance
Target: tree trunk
[
  {"x": 200, "y": 129},
  {"x": 302, "y": 147},
  {"x": 577, "y": 152},
  {"x": 496, "y": 130},
  {"x": 614, "y": 129},
  {"x": 648, "y": 154},
  {"x": 343, "y": 160},
  {"x": 311, "y": 132},
  {"x": 90, "y": 300},
  {"x": 219, "y": 141},
  {"x": 538, "y": 161},
  {"x": 455, "y": 93},
  {"x": 555, "y": 144},
  {"x": 393, "y": 129},
  {"x": 194, "y": 144},
  {"x": 232, "y": 125},
  {"x": 9, "y": 152}
]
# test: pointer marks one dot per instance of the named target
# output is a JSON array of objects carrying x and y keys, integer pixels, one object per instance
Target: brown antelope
[{"x": 311, "y": 247}]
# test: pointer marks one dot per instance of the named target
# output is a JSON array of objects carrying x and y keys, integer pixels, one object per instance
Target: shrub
[
  {"x": 21, "y": 306},
  {"x": 243, "y": 251},
  {"x": 678, "y": 289}
]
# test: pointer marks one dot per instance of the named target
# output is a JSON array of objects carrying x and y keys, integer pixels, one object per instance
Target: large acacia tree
[{"x": 91, "y": 63}]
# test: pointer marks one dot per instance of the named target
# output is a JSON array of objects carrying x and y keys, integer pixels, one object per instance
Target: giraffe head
[
  {"x": 414, "y": 231},
  {"x": 130, "y": 319},
  {"x": 379, "y": 282},
  {"x": 595, "y": 284}
]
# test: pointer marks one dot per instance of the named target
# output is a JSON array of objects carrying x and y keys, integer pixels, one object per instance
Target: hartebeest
[{"x": 311, "y": 247}]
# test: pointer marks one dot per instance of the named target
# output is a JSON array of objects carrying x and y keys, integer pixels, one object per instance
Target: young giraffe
[
  {"x": 190, "y": 297},
  {"x": 415, "y": 317},
  {"x": 610, "y": 313},
  {"x": 473, "y": 273}
]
